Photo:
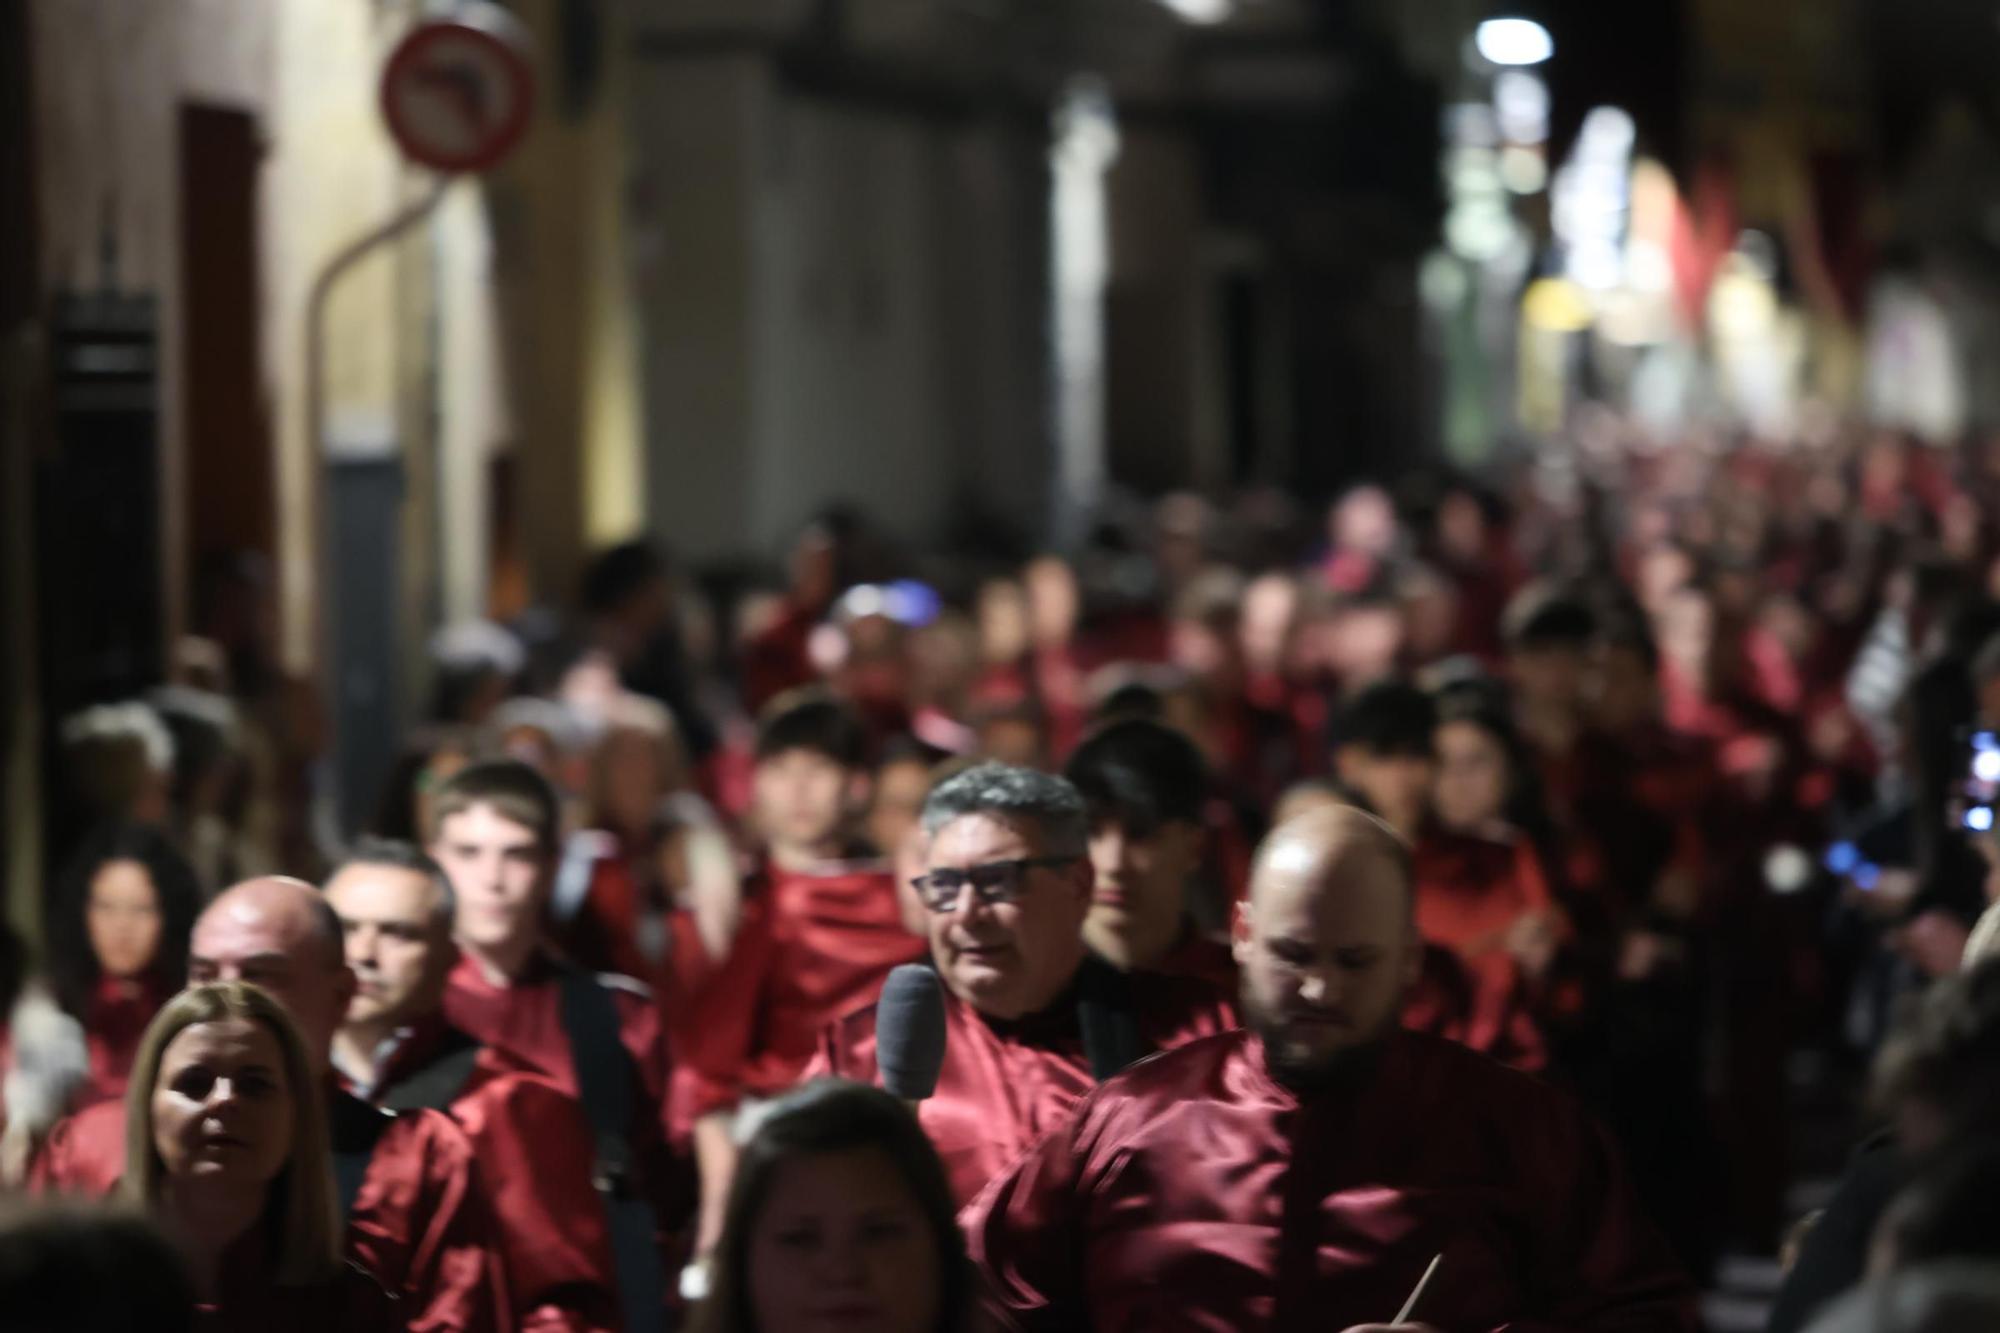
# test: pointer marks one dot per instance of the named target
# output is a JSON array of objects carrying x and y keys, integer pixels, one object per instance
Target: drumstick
[{"x": 1409, "y": 1306}]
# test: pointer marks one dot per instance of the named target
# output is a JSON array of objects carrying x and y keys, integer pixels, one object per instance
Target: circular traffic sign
[{"x": 457, "y": 91}]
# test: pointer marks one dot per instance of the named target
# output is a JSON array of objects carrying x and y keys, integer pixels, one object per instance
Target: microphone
[{"x": 909, "y": 1032}]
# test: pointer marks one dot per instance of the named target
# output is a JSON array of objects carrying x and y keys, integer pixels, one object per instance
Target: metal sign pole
[
  {"x": 327, "y": 830},
  {"x": 322, "y": 291}
]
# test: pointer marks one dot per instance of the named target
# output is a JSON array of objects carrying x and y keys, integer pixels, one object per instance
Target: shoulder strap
[
  {"x": 603, "y": 1069},
  {"x": 1106, "y": 1017},
  {"x": 604, "y": 1086},
  {"x": 355, "y": 1128},
  {"x": 437, "y": 1085}
]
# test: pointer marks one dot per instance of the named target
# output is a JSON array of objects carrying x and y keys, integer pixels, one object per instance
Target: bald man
[
  {"x": 416, "y": 1218},
  {"x": 1303, "y": 1174}
]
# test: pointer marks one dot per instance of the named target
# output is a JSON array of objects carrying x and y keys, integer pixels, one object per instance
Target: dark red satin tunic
[
  {"x": 1004, "y": 1084},
  {"x": 811, "y": 947},
  {"x": 1470, "y": 892},
  {"x": 1195, "y": 1193},
  {"x": 524, "y": 1019},
  {"x": 120, "y": 1012},
  {"x": 780, "y": 658},
  {"x": 536, "y": 1157},
  {"x": 246, "y": 1301},
  {"x": 420, "y": 1226},
  {"x": 1202, "y": 957}
]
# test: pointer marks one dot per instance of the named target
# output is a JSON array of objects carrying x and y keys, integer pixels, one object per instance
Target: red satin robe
[
  {"x": 780, "y": 658},
  {"x": 1196, "y": 1193},
  {"x": 1470, "y": 892},
  {"x": 524, "y": 1019},
  {"x": 1228, "y": 850},
  {"x": 811, "y": 947},
  {"x": 1202, "y": 957},
  {"x": 420, "y": 1226},
  {"x": 1442, "y": 1000},
  {"x": 536, "y": 1158},
  {"x": 120, "y": 1011},
  {"x": 1288, "y": 718},
  {"x": 1054, "y": 679},
  {"x": 1630, "y": 809},
  {"x": 603, "y": 933},
  {"x": 246, "y": 1301},
  {"x": 1005, "y": 1084}
]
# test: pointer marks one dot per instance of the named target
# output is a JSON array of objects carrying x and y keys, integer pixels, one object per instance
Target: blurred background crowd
[{"x": 1684, "y": 740}]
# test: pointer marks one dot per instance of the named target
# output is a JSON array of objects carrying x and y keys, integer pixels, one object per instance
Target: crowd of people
[{"x": 1422, "y": 922}]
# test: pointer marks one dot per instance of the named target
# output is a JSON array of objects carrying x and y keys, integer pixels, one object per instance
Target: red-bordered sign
[{"x": 457, "y": 92}]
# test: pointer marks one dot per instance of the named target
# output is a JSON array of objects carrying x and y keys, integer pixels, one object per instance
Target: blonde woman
[{"x": 226, "y": 1145}]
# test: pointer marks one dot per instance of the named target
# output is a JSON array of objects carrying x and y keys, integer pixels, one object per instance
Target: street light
[
  {"x": 1514, "y": 41},
  {"x": 1201, "y": 11}
]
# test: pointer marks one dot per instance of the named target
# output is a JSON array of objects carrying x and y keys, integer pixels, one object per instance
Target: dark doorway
[
  {"x": 365, "y": 523},
  {"x": 229, "y": 496},
  {"x": 20, "y": 294},
  {"x": 97, "y": 528}
]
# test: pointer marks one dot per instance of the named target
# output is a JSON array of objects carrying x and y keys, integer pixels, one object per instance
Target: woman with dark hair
[
  {"x": 118, "y": 942},
  {"x": 1489, "y": 886},
  {"x": 839, "y": 1216},
  {"x": 1483, "y": 888},
  {"x": 1486, "y": 775}
]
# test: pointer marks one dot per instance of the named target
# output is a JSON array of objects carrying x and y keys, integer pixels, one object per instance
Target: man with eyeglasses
[{"x": 1033, "y": 1020}]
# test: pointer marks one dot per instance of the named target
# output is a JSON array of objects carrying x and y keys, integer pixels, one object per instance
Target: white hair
[{"x": 131, "y": 719}]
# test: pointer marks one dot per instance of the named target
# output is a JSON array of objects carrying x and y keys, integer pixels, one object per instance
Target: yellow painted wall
[
  {"x": 571, "y": 345},
  {"x": 334, "y": 174},
  {"x": 111, "y": 75},
  {"x": 524, "y": 335}
]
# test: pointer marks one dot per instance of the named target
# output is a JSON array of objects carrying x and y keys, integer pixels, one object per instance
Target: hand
[
  {"x": 1677, "y": 894},
  {"x": 1532, "y": 942},
  {"x": 1935, "y": 942},
  {"x": 17, "y": 1149},
  {"x": 1989, "y": 856},
  {"x": 1639, "y": 955},
  {"x": 1891, "y": 895},
  {"x": 714, "y": 888}
]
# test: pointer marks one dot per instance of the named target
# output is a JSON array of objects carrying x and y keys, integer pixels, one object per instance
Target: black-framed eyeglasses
[{"x": 992, "y": 883}]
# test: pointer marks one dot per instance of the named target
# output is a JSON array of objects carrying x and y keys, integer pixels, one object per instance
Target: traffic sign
[{"x": 458, "y": 90}]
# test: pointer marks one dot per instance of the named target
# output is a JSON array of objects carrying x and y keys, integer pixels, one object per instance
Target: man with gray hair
[
  {"x": 395, "y": 1049},
  {"x": 1033, "y": 1020}
]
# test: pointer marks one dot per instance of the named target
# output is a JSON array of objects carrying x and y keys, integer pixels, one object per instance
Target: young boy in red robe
[
  {"x": 1146, "y": 787},
  {"x": 598, "y": 1037},
  {"x": 821, "y": 929}
]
